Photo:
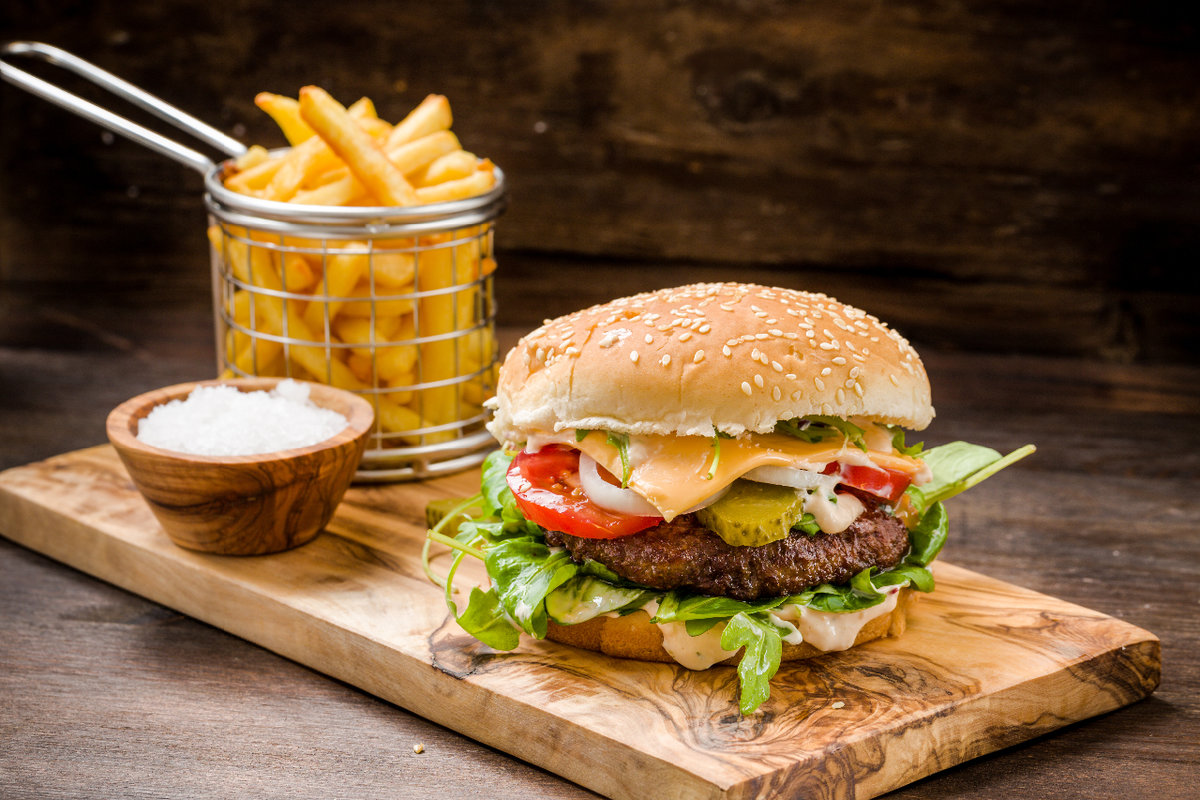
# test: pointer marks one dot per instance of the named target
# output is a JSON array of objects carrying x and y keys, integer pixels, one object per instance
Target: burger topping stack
[{"x": 712, "y": 473}]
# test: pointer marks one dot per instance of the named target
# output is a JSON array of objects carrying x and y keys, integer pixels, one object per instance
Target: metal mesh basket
[{"x": 394, "y": 304}]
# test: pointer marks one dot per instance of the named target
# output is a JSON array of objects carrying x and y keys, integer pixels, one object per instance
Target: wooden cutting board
[{"x": 984, "y": 664}]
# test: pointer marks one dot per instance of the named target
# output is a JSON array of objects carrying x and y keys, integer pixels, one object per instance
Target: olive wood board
[{"x": 984, "y": 664}]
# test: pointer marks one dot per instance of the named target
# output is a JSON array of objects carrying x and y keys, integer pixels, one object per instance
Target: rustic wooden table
[{"x": 108, "y": 694}]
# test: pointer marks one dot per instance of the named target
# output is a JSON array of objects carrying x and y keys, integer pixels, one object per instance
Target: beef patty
[{"x": 683, "y": 554}]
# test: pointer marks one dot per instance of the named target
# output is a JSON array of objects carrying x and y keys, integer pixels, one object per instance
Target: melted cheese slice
[{"x": 672, "y": 471}]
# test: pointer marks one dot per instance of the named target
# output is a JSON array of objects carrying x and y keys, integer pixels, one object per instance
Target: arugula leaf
[
  {"x": 852, "y": 432},
  {"x": 621, "y": 442},
  {"x": 803, "y": 429},
  {"x": 819, "y": 427},
  {"x": 763, "y": 645},
  {"x": 958, "y": 466},
  {"x": 523, "y": 571},
  {"x": 807, "y": 524},
  {"x": 484, "y": 619},
  {"x": 929, "y": 535},
  {"x": 677, "y": 606},
  {"x": 898, "y": 434}
]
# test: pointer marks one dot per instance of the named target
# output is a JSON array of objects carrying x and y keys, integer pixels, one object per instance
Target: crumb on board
[{"x": 418, "y": 748}]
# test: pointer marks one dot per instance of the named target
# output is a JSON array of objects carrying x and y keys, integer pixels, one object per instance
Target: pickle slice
[
  {"x": 438, "y": 509},
  {"x": 752, "y": 514}
]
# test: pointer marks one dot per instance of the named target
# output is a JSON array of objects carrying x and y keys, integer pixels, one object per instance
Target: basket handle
[{"x": 107, "y": 119}]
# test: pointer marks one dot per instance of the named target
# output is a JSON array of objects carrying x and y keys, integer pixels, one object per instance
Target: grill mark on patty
[{"x": 683, "y": 554}]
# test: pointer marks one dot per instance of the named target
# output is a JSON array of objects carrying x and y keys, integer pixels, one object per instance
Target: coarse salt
[{"x": 222, "y": 421}]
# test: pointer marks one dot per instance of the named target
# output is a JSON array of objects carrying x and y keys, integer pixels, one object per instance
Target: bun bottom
[{"x": 634, "y": 636}]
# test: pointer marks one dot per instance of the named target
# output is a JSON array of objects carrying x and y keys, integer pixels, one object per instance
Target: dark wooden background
[
  {"x": 1016, "y": 177},
  {"x": 1014, "y": 185}
]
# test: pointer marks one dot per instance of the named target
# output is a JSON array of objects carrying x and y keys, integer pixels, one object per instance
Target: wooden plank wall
[{"x": 1002, "y": 177}]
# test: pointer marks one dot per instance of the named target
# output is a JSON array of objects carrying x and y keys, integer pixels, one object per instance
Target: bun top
[{"x": 732, "y": 357}]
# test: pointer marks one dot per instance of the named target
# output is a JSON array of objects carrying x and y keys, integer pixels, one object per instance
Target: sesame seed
[
  {"x": 755, "y": 353},
  {"x": 727, "y": 351},
  {"x": 761, "y": 336},
  {"x": 775, "y": 332},
  {"x": 746, "y": 389},
  {"x": 825, "y": 371},
  {"x": 820, "y": 384},
  {"x": 775, "y": 365},
  {"x": 758, "y": 381},
  {"x": 633, "y": 356},
  {"x": 849, "y": 384},
  {"x": 841, "y": 395},
  {"x": 839, "y": 360},
  {"x": 810, "y": 333},
  {"x": 572, "y": 351},
  {"x": 649, "y": 339},
  {"x": 696, "y": 359},
  {"x": 666, "y": 359},
  {"x": 858, "y": 390},
  {"x": 855, "y": 372},
  {"x": 826, "y": 346},
  {"x": 683, "y": 337},
  {"x": 776, "y": 394},
  {"x": 705, "y": 328},
  {"x": 892, "y": 378},
  {"x": 791, "y": 376}
]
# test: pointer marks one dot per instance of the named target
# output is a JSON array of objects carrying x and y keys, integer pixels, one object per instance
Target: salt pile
[{"x": 221, "y": 421}]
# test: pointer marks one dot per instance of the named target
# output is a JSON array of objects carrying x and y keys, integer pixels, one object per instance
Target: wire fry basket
[
  {"x": 393, "y": 303},
  {"x": 398, "y": 308}
]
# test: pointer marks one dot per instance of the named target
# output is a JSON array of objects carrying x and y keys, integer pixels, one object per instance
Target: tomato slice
[
  {"x": 886, "y": 483},
  {"x": 547, "y": 490}
]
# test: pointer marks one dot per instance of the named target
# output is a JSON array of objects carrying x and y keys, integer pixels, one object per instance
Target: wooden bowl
[{"x": 243, "y": 505}]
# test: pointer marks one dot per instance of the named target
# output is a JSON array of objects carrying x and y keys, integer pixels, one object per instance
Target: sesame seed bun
[{"x": 733, "y": 357}]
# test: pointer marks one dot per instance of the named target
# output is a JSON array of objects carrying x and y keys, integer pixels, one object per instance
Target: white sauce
[
  {"x": 828, "y": 630},
  {"x": 694, "y": 652},
  {"x": 833, "y": 517}
]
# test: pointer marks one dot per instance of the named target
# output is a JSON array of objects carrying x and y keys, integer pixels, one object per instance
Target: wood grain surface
[{"x": 983, "y": 665}]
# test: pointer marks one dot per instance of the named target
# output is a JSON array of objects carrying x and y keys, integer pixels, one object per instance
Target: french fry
[
  {"x": 359, "y": 331},
  {"x": 387, "y": 305},
  {"x": 449, "y": 167},
  {"x": 296, "y": 272},
  {"x": 355, "y": 146},
  {"x": 286, "y": 113},
  {"x": 420, "y": 153},
  {"x": 432, "y": 114},
  {"x": 474, "y": 184},
  {"x": 435, "y": 316},
  {"x": 255, "y": 154},
  {"x": 392, "y": 270},
  {"x": 255, "y": 179},
  {"x": 342, "y": 273}
]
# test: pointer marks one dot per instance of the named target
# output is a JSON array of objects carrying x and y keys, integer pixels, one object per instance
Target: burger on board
[{"x": 710, "y": 474}]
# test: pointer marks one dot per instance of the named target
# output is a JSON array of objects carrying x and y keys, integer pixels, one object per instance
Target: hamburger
[{"x": 709, "y": 474}]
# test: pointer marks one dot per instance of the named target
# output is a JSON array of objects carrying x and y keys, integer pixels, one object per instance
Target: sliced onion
[
  {"x": 612, "y": 498},
  {"x": 709, "y": 501},
  {"x": 789, "y": 476}
]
